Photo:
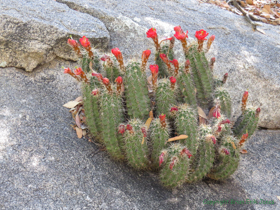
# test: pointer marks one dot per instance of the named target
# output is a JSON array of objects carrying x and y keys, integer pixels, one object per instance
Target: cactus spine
[
  {"x": 136, "y": 149},
  {"x": 136, "y": 92}
]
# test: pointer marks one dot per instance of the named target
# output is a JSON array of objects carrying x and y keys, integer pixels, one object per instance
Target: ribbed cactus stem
[
  {"x": 176, "y": 67},
  {"x": 244, "y": 101},
  {"x": 187, "y": 66},
  {"x": 200, "y": 45},
  {"x": 224, "y": 100}
]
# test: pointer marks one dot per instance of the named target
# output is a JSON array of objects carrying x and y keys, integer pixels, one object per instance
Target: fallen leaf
[
  {"x": 80, "y": 98},
  {"x": 84, "y": 132},
  {"x": 251, "y": 2},
  {"x": 243, "y": 4},
  {"x": 78, "y": 120},
  {"x": 201, "y": 113},
  {"x": 71, "y": 104},
  {"x": 267, "y": 8},
  {"x": 260, "y": 30},
  {"x": 143, "y": 140},
  {"x": 278, "y": 197},
  {"x": 177, "y": 138},
  {"x": 79, "y": 132},
  {"x": 233, "y": 145},
  {"x": 244, "y": 151},
  {"x": 201, "y": 120}
]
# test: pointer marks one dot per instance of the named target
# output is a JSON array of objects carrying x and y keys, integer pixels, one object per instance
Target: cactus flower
[
  {"x": 128, "y": 127},
  {"x": 179, "y": 33},
  {"x": 227, "y": 121},
  {"x": 258, "y": 110},
  {"x": 162, "y": 117},
  {"x": 154, "y": 69},
  {"x": 216, "y": 113},
  {"x": 105, "y": 57},
  {"x": 201, "y": 34},
  {"x": 172, "y": 80},
  {"x": 98, "y": 75},
  {"x": 219, "y": 129},
  {"x": 78, "y": 71},
  {"x": 152, "y": 33},
  {"x": 119, "y": 80},
  {"x": 121, "y": 129},
  {"x": 225, "y": 151},
  {"x": 213, "y": 139},
  {"x": 146, "y": 54},
  {"x": 73, "y": 42},
  {"x": 225, "y": 78},
  {"x": 94, "y": 92},
  {"x": 117, "y": 53},
  {"x": 187, "y": 152},
  {"x": 85, "y": 42},
  {"x": 244, "y": 101},
  {"x": 163, "y": 57},
  {"x": 105, "y": 81},
  {"x": 174, "y": 109},
  {"x": 161, "y": 158},
  {"x": 67, "y": 71},
  {"x": 173, "y": 162}
]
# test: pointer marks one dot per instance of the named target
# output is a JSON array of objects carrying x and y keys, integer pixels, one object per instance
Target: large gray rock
[
  {"x": 251, "y": 58},
  {"x": 43, "y": 165},
  {"x": 35, "y": 32}
]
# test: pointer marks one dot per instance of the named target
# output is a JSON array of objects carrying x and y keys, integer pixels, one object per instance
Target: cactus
[
  {"x": 116, "y": 120},
  {"x": 136, "y": 92},
  {"x": 165, "y": 96},
  {"x": 159, "y": 132},
  {"x": 176, "y": 165},
  {"x": 136, "y": 148},
  {"x": 204, "y": 158},
  {"x": 227, "y": 161}
]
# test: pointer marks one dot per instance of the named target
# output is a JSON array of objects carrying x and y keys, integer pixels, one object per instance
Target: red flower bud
[
  {"x": 244, "y": 136},
  {"x": 121, "y": 129},
  {"x": 152, "y": 33},
  {"x": 226, "y": 75},
  {"x": 212, "y": 38},
  {"x": 105, "y": 57},
  {"x": 173, "y": 162},
  {"x": 119, "y": 80},
  {"x": 177, "y": 28},
  {"x": 161, "y": 158},
  {"x": 174, "y": 109},
  {"x": 84, "y": 42},
  {"x": 98, "y": 75},
  {"x": 187, "y": 152},
  {"x": 213, "y": 139},
  {"x": 213, "y": 60},
  {"x": 117, "y": 53},
  {"x": 144, "y": 131},
  {"x": 219, "y": 129},
  {"x": 175, "y": 62},
  {"x": 201, "y": 34},
  {"x": 128, "y": 127},
  {"x": 154, "y": 69},
  {"x": 258, "y": 110},
  {"x": 227, "y": 121},
  {"x": 162, "y": 117},
  {"x": 146, "y": 54},
  {"x": 94, "y": 92},
  {"x": 225, "y": 151},
  {"x": 105, "y": 81},
  {"x": 179, "y": 33},
  {"x": 216, "y": 113},
  {"x": 163, "y": 56},
  {"x": 72, "y": 42},
  {"x": 172, "y": 80},
  {"x": 78, "y": 71},
  {"x": 188, "y": 63},
  {"x": 67, "y": 71}
]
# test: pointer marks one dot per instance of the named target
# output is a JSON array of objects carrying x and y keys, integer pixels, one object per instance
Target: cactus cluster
[{"x": 175, "y": 122}]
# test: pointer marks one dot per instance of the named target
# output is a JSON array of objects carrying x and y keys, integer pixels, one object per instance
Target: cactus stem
[{"x": 187, "y": 66}]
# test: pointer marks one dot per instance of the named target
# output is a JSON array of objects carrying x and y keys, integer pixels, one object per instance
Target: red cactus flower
[
  {"x": 152, "y": 33},
  {"x": 154, "y": 69},
  {"x": 177, "y": 28},
  {"x": 94, "y": 92},
  {"x": 163, "y": 57},
  {"x": 84, "y": 42},
  {"x": 172, "y": 80},
  {"x": 78, "y": 71},
  {"x": 173, "y": 162},
  {"x": 146, "y": 54},
  {"x": 225, "y": 151},
  {"x": 72, "y": 42},
  {"x": 117, "y": 53},
  {"x": 226, "y": 75},
  {"x": 128, "y": 127},
  {"x": 188, "y": 63},
  {"x": 227, "y": 121},
  {"x": 180, "y": 35},
  {"x": 119, "y": 80},
  {"x": 174, "y": 109},
  {"x": 175, "y": 62},
  {"x": 219, "y": 129},
  {"x": 258, "y": 110},
  {"x": 67, "y": 71},
  {"x": 121, "y": 129},
  {"x": 98, "y": 75},
  {"x": 144, "y": 131},
  {"x": 162, "y": 117},
  {"x": 216, "y": 113},
  {"x": 161, "y": 158},
  {"x": 201, "y": 34},
  {"x": 105, "y": 81},
  {"x": 105, "y": 57},
  {"x": 187, "y": 152},
  {"x": 213, "y": 139}
]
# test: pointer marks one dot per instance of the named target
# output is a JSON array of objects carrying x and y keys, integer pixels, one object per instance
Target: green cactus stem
[
  {"x": 163, "y": 71},
  {"x": 186, "y": 124},
  {"x": 158, "y": 136},
  {"x": 175, "y": 168},
  {"x": 247, "y": 122},
  {"x": 136, "y": 149},
  {"x": 227, "y": 160},
  {"x": 136, "y": 92},
  {"x": 111, "y": 114},
  {"x": 224, "y": 100},
  {"x": 204, "y": 158}
]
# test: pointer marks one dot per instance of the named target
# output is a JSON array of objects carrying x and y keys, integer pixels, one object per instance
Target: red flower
[
  {"x": 244, "y": 136},
  {"x": 163, "y": 57},
  {"x": 213, "y": 139},
  {"x": 172, "y": 80},
  {"x": 84, "y": 42},
  {"x": 188, "y": 63},
  {"x": 175, "y": 62},
  {"x": 225, "y": 121},
  {"x": 174, "y": 109},
  {"x": 128, "y": 127},
  {"x": 146, "y": 54},
  {"x": 225, "y": 151},
  {"x": 179, "y": 33},
  {"x": 106, "y": 81},
  {"x": 161, "y": 158},
  {"x": 245, "y": 96},
  {"x": 258, "y": 110},
  {"x": 187, "y": 152},
  {"x": 154, "y": 69},
  {"x": 78, "y": 71},
  {"x": 121, "y": 129},
  {"x": 67, "y": 71},
  {"x": 152, "y": 33},
  {"x": 98, "y": 75},
  {"x": 162, "y": 117},
  {"x": 173, "y": 162},
  {"x": 105, "y": 57},
  {"x": 219, "y": 129},
  {"x": 94, "y": 92},
  {"x": 119, "y": 80},
  {"x": 72, "y": 42},
  {"x": 200, "y": 35},
  {"x": 117, "y": 53},
  {"x": 216, "y": 113},
  {"x": 144, "y": 131}
]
